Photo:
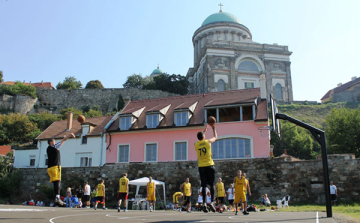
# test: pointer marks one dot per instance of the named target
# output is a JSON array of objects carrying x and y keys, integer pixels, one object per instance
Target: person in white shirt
[
  {"x": 87, "y": 191},
  {"x": 231, "y": 192},
  {"x": 267, "y": 200},
  {"x": 333, "y": 192}
]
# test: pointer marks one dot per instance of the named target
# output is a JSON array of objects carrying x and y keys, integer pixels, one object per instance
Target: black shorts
[
  {"x": 231, "y": 201},
  {"x": 220, "y": 200},
  {"x": 187, "y": 200},
  {"x": 100, "y": 199},
  {"x": 86, "y": 198},
  {"x": 122, "y": 196},
  {"x": 207, "y": 175},
  {"x": 333, "y": 197}
]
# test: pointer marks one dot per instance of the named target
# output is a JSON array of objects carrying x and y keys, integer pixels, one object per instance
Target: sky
[{"x": 108, "y": 40}]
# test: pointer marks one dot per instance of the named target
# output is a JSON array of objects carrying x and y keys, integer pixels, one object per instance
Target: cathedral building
[{"x": 226, "y": 58}]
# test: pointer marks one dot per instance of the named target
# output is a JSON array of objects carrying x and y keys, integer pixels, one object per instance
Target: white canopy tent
[{"x": 143, "y": 182}]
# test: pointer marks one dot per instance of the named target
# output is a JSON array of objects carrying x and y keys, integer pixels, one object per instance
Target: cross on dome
[{"x": 220, "y": 7}]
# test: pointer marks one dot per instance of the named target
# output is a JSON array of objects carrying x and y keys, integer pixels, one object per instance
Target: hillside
[{"x": 314, "y": 114}]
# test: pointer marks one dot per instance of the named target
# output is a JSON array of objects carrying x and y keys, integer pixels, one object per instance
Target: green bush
[
  {"x": 18, "y": 89},
  {"x": 10, "y": 179}
]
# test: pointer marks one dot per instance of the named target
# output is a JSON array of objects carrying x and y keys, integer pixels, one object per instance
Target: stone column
[
  {"x": 226, "y": 35},
  {"x": 263, "y": 86},
  {"x": 233, "y": 35},
  {"x": 195, "y": 52},
  {"x": 288, "y": 81}
]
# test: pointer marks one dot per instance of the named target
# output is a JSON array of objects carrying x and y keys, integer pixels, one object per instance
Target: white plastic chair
[{"x": 286, "y": 201}]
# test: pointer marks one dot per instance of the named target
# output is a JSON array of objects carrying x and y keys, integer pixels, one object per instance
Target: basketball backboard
[{"x": 274, "y": 120}]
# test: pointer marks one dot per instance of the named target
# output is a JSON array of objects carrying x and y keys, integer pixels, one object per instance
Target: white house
[{"x": 88, "y": 148}]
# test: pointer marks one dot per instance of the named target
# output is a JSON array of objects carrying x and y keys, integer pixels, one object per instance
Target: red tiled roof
[
  {"x": 204, "y": 100},
  {"x": 341, "y": 88},
  {"x": 37, "y": 85},
  {"x": 58, "y": 129},
  {"x": 4, "y": 150}
]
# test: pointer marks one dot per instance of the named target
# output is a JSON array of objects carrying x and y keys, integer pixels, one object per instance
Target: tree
[
  {"x": 10, "y": 179},
  {"x": 1, "y": 76},
  {"x": 17, "y": 128},
  {"x": 171, "y": 83},
  {"x": 65, "y": 112},
  {"x": 18, "y": 89},
  {"x": 69, "y": 83},
  {"x": 43, "y": 120},
  {"x": 95, "y": 84},
  {"x": 135, "y": 81},
  {"x": 92, "y": 113},
  {"x": 120, "y": 103},
  {"x": 296, "y": 140},
  {"x": 343, "y": 131}
]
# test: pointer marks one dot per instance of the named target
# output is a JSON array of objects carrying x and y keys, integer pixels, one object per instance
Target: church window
[
  {"x": 248, "y": 65},
  {"x": 278, "y": 91},
  {"x": 221, "y": 85},
  {"x": 249, "y": 85}
]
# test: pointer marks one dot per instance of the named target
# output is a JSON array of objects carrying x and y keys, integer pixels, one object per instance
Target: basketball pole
[{"x": 319, "y": 135}]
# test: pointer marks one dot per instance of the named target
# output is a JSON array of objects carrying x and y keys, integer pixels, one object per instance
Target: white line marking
[
  {"x": 317, "y": 217},
  {"x": 19, "y": 209},
  {"x": 51, "y": 220}
]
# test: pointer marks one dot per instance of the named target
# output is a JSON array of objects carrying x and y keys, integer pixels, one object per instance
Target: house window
[
  {"x": 181, "y": 118},
  {"x": 229, "y": 114},
  {"x": 221, "y": 85},
  {"x": 232, "y": 114},
  {"x": 151, "y": 152},
  {"x": 32, "y": 160},
  {"x": 123, "y": 153},
  {"x": 247, "y": 113},
  {"x": 152, "y": 121},
  {"x": 180, "y": 152},
  {"x": 278, "y": 91},
  {"x": 231, "y": 148},
  {"x": 249, "y": 85},
  {"x": 84, "y": 140},
  {"x": 125, "y": 123},
  {"x": 85, "y": 161}
]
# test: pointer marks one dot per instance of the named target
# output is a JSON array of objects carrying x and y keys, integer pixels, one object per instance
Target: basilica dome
[
  {"x": 156, "y": 72},
  {"x": 220, "y": 17}
]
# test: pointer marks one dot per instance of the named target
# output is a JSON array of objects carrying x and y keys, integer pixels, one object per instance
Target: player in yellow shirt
[
  {"x": 123, "y": 191},
  {"x": 220, "y": 191},
  {"x": 176, "y": 198},
  {"x": 150, "y": 188},
  {"x": 247, "y": 191},
  {"x": 206, "y": 164},
  {"x": 240, "y": 185},
  {"x": 186, "y": 189},
  {"x": 100, "y": 195}
]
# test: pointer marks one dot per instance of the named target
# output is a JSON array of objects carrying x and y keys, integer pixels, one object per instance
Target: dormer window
[
  {"x": 232, "y": 114},
  {"x": 152, "y": 121},
  {"x": 181, "y": 118},
  {"x": 125, "y": 123}
]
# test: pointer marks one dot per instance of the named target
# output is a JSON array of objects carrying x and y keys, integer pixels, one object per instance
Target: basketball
[
  {"x": 211, "y": 120},
  {"x": 81, "y": 118}
]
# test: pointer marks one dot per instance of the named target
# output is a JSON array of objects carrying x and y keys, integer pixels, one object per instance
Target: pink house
[{"x": 164, "y": 129}]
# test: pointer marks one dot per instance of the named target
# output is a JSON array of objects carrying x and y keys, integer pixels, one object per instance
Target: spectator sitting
[
  {"x": 262, "y": 201},
  {"x": 80, "y": 203},
  {"x": 267, "y": 200},
  {"x": 75, "y": 201},
  {"x": 68, "y": 198}
]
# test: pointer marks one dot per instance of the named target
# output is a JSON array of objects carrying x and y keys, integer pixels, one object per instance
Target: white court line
[
  {"x": 20, "y": 209},
  {"x": 317, "y": 217},
  {"x": 150, "y": 215},
  {"x": 51, "y": 220}
]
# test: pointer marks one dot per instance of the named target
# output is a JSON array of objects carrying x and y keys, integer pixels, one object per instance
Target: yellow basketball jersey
[
  {"x": 203, "y": 151},
  {"x": 122, "y": 185},
  {"x": 245, "y": 185},
  {"x": 100, "y": 191},
  {"x": 220, "y": 189},
  {"x": 187, "y": 189},
  {"x": 239, "y": 184},
  {"x": 151, "y": 187}
]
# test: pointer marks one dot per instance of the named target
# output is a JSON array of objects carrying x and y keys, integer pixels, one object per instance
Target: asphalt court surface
[{"x": 18, "y": 213}]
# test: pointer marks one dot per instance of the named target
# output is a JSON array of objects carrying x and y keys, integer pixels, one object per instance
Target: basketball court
[{"x": 18, "y": 213}]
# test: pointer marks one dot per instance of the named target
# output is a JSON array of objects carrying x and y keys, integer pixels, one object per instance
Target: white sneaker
[{"x": 151, "y": 209}]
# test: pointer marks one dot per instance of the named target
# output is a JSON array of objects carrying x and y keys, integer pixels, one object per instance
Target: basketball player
[
  {"x": 176, "y": 198},
  {"x": 220, "y": 189},
  {"x": 100, "y": 195},
  {"x": 123, "y": 191},
  {"x": 206, "y": 164},
  {"x": 240, "y": 187},
  {"x": 150, "y": 188},
  {"x": 247, "y": 189},
  {"x": 187, "y": 192},
  {"x": 54, "y": 165}
]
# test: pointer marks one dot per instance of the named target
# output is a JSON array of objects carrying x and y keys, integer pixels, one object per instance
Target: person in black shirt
[{"x": 54, "y": 165}]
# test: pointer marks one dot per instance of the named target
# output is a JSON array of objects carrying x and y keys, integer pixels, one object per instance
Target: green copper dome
[
  {"x": 157, "y": 71},
  {"x": 220, "y": 17}
]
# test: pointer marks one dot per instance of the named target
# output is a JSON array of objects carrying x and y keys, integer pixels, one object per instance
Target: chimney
[
  {"x": 285, "y": 151},
  {"x": 353, "y": 78},
  {"x": 339, "y": 84},
  {"x": 42, "y": 82},
  {"x": 262, "y": 86},
  {"x": 70, "y": 119}
]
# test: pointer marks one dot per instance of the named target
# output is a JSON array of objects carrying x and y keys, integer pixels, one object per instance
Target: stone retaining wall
[{"x": 302, "y": 180}]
